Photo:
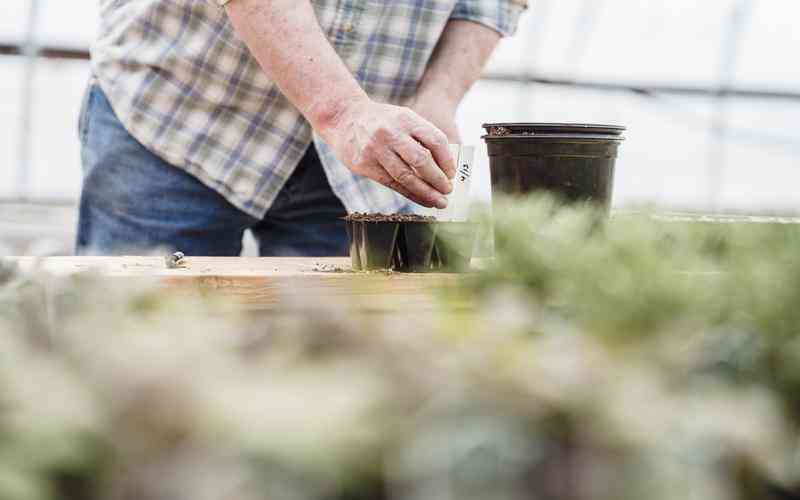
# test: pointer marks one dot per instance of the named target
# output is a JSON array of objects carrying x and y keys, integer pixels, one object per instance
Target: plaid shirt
[{"x": 186, "y": 87}]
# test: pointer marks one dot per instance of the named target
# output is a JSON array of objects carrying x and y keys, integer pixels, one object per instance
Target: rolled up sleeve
[{"x": 499, "y": 15}]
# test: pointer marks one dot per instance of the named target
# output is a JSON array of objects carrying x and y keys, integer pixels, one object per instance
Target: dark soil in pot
[{"x": 359, "y": 217}]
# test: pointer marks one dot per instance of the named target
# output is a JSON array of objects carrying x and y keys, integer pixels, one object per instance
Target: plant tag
[{"x": 459, "y": 200}]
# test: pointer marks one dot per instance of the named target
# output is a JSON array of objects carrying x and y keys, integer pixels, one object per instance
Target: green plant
[{"x": 601, "y": 361}]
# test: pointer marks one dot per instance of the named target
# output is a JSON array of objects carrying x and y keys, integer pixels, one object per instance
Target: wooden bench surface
[
  {"x": 136, "y": 266},
  {"x": 260, "y": 282}
]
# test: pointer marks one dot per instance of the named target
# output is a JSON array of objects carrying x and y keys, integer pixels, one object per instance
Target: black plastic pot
[
  {"x": 455, "y": 242},
  {"x": 374, "y": 244},
  {"x": 411, "y": 246},
  {"x": 573, "y": 161},
  {"x": 356, "y": 237},
  {"x": 415, "y": 246}
]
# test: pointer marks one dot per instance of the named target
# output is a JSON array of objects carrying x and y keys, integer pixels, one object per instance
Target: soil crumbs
[{"x": 329, "y": 268}]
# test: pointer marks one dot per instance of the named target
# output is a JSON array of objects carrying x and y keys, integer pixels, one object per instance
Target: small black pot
[
  {"x": 415, "y": 246},
  {"x": 373, "y": 244},
  {"x": 355, "y": 235},
  {"x": 574, "y": 161}
]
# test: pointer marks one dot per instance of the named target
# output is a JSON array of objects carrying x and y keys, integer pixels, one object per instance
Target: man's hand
[{"x": 396, "y": 147}]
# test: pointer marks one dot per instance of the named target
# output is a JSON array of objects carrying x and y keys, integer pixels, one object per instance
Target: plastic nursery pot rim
[
  {"x": 554, "y": 138},
  {"x": 519, "y": 129}
]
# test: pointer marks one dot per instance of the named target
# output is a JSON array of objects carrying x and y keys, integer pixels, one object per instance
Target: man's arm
[
  {"x": 389, "y": 144},
  {"x": 455, "y": 66}
]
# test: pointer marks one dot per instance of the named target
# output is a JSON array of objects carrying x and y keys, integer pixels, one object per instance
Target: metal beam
[
  {"x": 47, "y": 52},
  {"x": 645, "y": 88},
  {"x": 29, "y": 50}
]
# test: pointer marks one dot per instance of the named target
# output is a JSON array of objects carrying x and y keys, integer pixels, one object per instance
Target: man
[{"x": 206, "y": 118}]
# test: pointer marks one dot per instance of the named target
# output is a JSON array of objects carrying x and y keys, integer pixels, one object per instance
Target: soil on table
[
  {"x": 329, "y": 268},
  {"x": 362, "y": 217}
]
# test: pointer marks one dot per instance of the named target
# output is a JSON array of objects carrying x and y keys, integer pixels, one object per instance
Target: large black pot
[{"x": 573, "y": 161}]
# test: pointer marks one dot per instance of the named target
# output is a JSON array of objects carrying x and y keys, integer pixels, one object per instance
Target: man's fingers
[
  {"x": 435, "y": 141},
  {"x": 403, "y": 175},
  {"x": 399, "y": 188},
  {"x": 422, "y": 163},
  {"x": 387, "y": 180}
]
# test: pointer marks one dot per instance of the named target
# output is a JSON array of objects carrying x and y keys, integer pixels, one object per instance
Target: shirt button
[{"x": 348, "y": 28}]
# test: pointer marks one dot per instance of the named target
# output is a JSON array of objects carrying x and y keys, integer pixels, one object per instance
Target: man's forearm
[
  {"x": 286, "y": 39},
  {"x": 458, "y": 61},
  {"x": 455, "y": 66}
]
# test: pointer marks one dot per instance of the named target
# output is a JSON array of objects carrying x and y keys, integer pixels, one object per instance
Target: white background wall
[{"x": 670, "y": 158}]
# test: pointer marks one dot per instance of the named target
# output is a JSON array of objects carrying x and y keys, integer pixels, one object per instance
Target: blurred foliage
[{"x": 602, "y": 361}]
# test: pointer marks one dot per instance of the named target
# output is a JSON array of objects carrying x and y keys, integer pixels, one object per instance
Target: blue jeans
[{"x": 133, "y": 202}]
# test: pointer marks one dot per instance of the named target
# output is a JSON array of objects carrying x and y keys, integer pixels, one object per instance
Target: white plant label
[{"x": 459, "y": 200}]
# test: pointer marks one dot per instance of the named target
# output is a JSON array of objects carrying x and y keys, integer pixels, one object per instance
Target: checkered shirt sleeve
[{"x": 499, "y": 15}]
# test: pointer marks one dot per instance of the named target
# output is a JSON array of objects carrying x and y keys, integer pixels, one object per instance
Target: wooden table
[{"x": 261, "y": 282}]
